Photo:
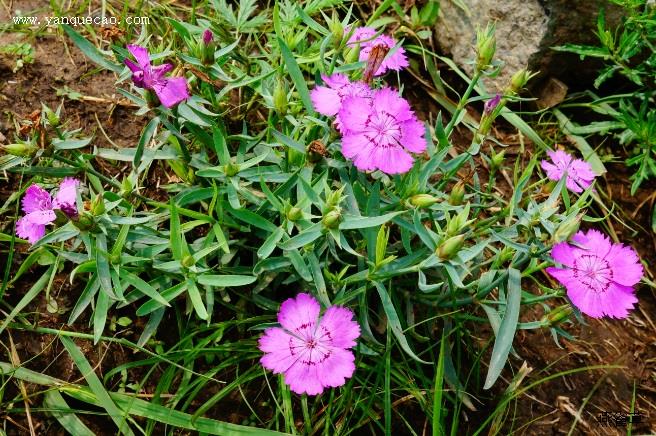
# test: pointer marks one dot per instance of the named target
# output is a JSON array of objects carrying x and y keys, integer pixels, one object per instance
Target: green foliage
[
  {"x": 254, "y": 215},
  {"x": 629, "y": 50}
]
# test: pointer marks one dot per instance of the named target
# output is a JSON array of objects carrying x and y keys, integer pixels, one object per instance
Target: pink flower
[
  {"x": 599, "y": 276},
  {"x": 381, "y": 132},
  {"x": 312, "y": 353},
  {"x": 39, "y": 208},
  {"x": 365, "y": 36},
  {"x": 579, "y": 173},
  {"x": 170, "y": 91},
  {"x": 327, "y": 100}
]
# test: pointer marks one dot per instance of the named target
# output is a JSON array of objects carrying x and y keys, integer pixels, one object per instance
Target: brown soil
[{"x": 548, "y": 409}]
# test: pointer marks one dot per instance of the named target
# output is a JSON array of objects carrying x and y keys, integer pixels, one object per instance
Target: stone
[{"x": 526, "y": 31}]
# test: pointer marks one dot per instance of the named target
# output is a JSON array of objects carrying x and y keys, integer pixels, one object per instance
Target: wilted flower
[
  {"x": 170, "y": 91},
  {"x": 327, "y": 100},
  {"x": 380, "y": 132},
  {"x": 579, "y": 172},
  {"x": 312, "y": 352},
  {"x": 39, "y": 208},
  {"x": 491, "y": 104},
  {"x": 599, "y": 276},
  {"x": 365, "y": 37}
]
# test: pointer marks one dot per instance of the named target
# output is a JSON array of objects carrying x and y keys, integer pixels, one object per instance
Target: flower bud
[
  {"x": 336, "y": 29},
  {"x": 98, "y": 206},
  {"x": 188, "y": 261},
  {"x": 486, "y": 45},
  {"x": 567, "y": 228},
  {"x": 126, "y": 187},
  {"x": 294, "y": 214},
  {"x": 231, "y": 169},
  {"x": 331, "y": 219},
  {"x": 23, "y": 149},
  {"x": 491, "y": 104},
  {"x": 208, "y": 47},
  {"x": 450, "y": 248},
  {"x": 50, "y": 115},
  {"x": 496, "y": 159},
  {"x": 208, "y": 37},
  {"x": 85, "y": 222},
  {"x": 280, "y": 96},
  {"x": 519, "y": 80},
  {"x": 457, "y": 194},
  {"x": 557, "y": 315},
  {"x": 423, "y": 200}
]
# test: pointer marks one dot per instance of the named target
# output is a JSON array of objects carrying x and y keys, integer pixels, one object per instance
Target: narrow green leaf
[
  {"x": 100, "y": 316},
  {"x": 297, "y": 77},
  {"x": 90, "y": 50},
  {"x": 394, "y": 321},
  {"x": 145, "y": 138},
  {"x": 61, "y": 412},
  {"x": 96, "y": 385},
  {"x": 28, "y": 297},
  {"x": 196, "y": 299},
  {"x": 504, "y": 339},
  {"x": 226, "y": 280}
]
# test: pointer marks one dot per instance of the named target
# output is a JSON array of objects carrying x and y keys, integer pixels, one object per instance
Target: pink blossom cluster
[{"x": 379, "y": 129}]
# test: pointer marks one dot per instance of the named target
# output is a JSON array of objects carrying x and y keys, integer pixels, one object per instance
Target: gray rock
[{"x": 526, "y": 30}]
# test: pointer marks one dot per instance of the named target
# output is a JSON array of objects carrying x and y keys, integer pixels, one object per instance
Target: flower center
[
  {"x": 385, "y": 130},
  {"x": 594, "y": 272}
]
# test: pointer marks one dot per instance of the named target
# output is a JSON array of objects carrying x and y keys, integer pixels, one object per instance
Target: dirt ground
[{"x": 549, "y": 409}]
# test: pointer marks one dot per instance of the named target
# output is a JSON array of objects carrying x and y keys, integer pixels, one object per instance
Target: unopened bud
[
  {"x": 23, "y": 149},
  {"x": 557, "y": 315},
  {"x": 126, "y": 187},
  {"x": 331, "y": 219},
  {"x": 457, "y": 194},
  {"x": 98, "y": 206},
  {"x": 352, "y": 53},
  {"x": 496, "y": 159},
  {"x": 50, "y": 115},
  {"x": 486, "y": 45},
  {"x": 491, "y": 104},
  {"x": 188, "y": 261},
  {"x": 423, "y": 200},
  {"x": 231, "y": 169},
  {"x": 519, "y": 80},
  {"x": 85, "y": 222},
  {"x": 208, "y": 47},
  {"x": 336, "y": 29},
  {"x": 450, "y": 248},
  {"x": 294, "y": 214},
  {"x": 280, "y": 97},
  {"x": 567, "y": 228}
]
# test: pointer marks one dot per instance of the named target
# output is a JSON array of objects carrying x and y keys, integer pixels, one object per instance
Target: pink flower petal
[
  {"x": 303, "y": 379},
  {"x": 339, "y": 366},
  {"x": 626, "y": 260},
  {"x": 66, "y": 197},
  {"x": 140, "y": 54},
  {"x": 41, "y": 217},
  {"x": 342, "y": 330},
  {"x": 29, "y": 230},
  {"x": 299, "y": 315},
  {"x": 354, "y": 113},
  {"x": 275, "y": 343},
  {"x": 412, "y": 136},
  {"x": 326, "y": 101},
  {"x": 171, "y": 91},
  {"x": 36, "y": 198}
]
